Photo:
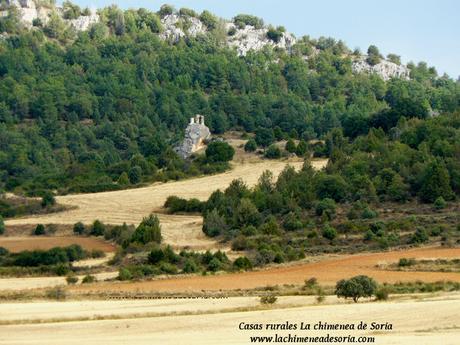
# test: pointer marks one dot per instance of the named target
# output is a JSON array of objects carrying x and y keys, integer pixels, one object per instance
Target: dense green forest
[{"x": 103, "y": 109}]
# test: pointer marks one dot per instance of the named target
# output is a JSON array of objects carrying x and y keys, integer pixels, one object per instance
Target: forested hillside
[{"x": 102, "y": 109}]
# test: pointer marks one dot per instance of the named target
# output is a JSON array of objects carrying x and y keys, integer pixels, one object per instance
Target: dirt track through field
[
  {"x": 132, "y": 205},
  {"x": 327, "y": 271}
]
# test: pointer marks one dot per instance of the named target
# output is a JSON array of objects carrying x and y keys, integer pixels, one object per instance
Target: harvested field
[
  {"x": 18, "y": 244},
  {"x": 327, "y": 271},
  {"x": 132, "y": 205},
  {"x": 18, "y": 284},
  {"x": 424, "y": 321}
]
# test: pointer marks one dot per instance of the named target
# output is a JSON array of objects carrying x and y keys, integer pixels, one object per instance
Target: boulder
[{"x": 196, "y": 134}]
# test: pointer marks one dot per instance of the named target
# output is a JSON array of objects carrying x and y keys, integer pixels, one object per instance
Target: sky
[{"x": 418, "y": 30}]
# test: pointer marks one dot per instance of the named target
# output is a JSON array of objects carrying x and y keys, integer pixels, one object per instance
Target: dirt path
[
  {"x": 132, "y": 205},
  {"x": 424, "y": 321},
  {"x": 327, "y": 271}
]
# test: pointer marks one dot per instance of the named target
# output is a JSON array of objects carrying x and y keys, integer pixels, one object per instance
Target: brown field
[
  {"x": 327, "y": 271},
  {"x": 18, "y": 244},
  {"x": 132, "y": 205},
  {"x": 424, "y": 321}
]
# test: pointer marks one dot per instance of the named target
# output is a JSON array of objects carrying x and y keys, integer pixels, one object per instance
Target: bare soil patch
[{"x": 18, "y": 244}]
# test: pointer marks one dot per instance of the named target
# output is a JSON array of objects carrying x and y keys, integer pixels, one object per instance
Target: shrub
[
  {"x": 440, "y": 203},
  {"x": 97, "y": 229},
  {"x": 3, "y": 251},
  {"x": 404, "y": 262},
  {"x": 250, "y": 145},
  {"x": 241, "y": 20},
  {"x": 2, "y": 226},
  {"x": 149, "y": 230},
  {"x": 420, "y": 236},
  {"x": 71, "y": 279},
  {"x": 190, "y": 266},
  {"x": 274, "y": 34},
  {"x": 57, "y": 293},
  {"x": 382, "y": 294},
  {"x": 219, "y": 151},
  {"x": 214, "y": 224},
  {"x": 329, "y": 232},
  {"x": 242, "y": 263},
  {"x": 356, "y": 287},
  {"x": 88, "y": 279},
  {"x": 135, "y": 174},
  {"x": 290, "y": 146},
  {"x": 310, "y": 283},
  {"x": 39, "y": 230},
  {"x": 268, "y": 299},
  {"x": 48, "y": 199},
  {"x": 156, "y": 256},
  {"x": 165, "y": 10},
  {"x": 208, "y": 19},
  {"x": 124, "y": 274},
  {"x": 273, "y": 152},
  {"x": 327, "y": 208},
  {"x": 320, "y": 295},
  {"x": 79, "y": 228}
]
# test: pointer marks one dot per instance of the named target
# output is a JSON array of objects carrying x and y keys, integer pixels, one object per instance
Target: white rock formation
[
  {"x": 173, "y": 24},
  {"x": 250, "y": 38},
  {"x": 196, "y": 134},
  {"x": 83, "y": 23},
  {"x": 385, "y": 69},
  {"x": 29, "y": 11}
]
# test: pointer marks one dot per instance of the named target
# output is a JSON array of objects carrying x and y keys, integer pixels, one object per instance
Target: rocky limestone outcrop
[
  {"x": 196, "y": 134},
  {"x": 175, "y": 27},
  {"x": 250, "y": 38},
  {"x": 83, "y": 23},
  {"x": 385, "y": 69},
  {"x": 29, "y": 10}
]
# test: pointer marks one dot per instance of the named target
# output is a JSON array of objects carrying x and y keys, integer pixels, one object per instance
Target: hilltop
[{"x": 245, "y": 33}]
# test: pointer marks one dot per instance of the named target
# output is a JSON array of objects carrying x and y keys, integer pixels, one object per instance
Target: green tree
[
  {"x": 98, "y": 228},
  {"x": 135, "y": 174},
  {"x": 39, "y": 230},
  {"x": 250, "y": 145},
  {"x": 219, "y": 151},
  {"x": 329, "y": 232},
  {"x": 2, "y": 226},
  {"x": 149, "y": 230},
  {"x": 435, "y": 183},
  {"x": 273, "y": 152},
  {"x": 48, "y": 200},
  {"x": 291, "y": 146},
  {"x": 373, "y": 55},
  {"x": 214, "y": 224},
  {"x": 79, "y": 228},
  {"x": 356, "y": 287},
  {"x": 264, "y": 137}
]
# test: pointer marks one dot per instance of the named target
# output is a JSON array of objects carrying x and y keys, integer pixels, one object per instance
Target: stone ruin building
[{"x": 196, "y": 134}]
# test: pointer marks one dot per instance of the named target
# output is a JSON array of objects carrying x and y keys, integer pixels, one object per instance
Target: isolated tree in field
[
  {"x": 39, "y": 230},
  {"x": 356, "y": 287},
  {"x": 149, "y": 230},
  {"x": 219, "y": 151}
]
